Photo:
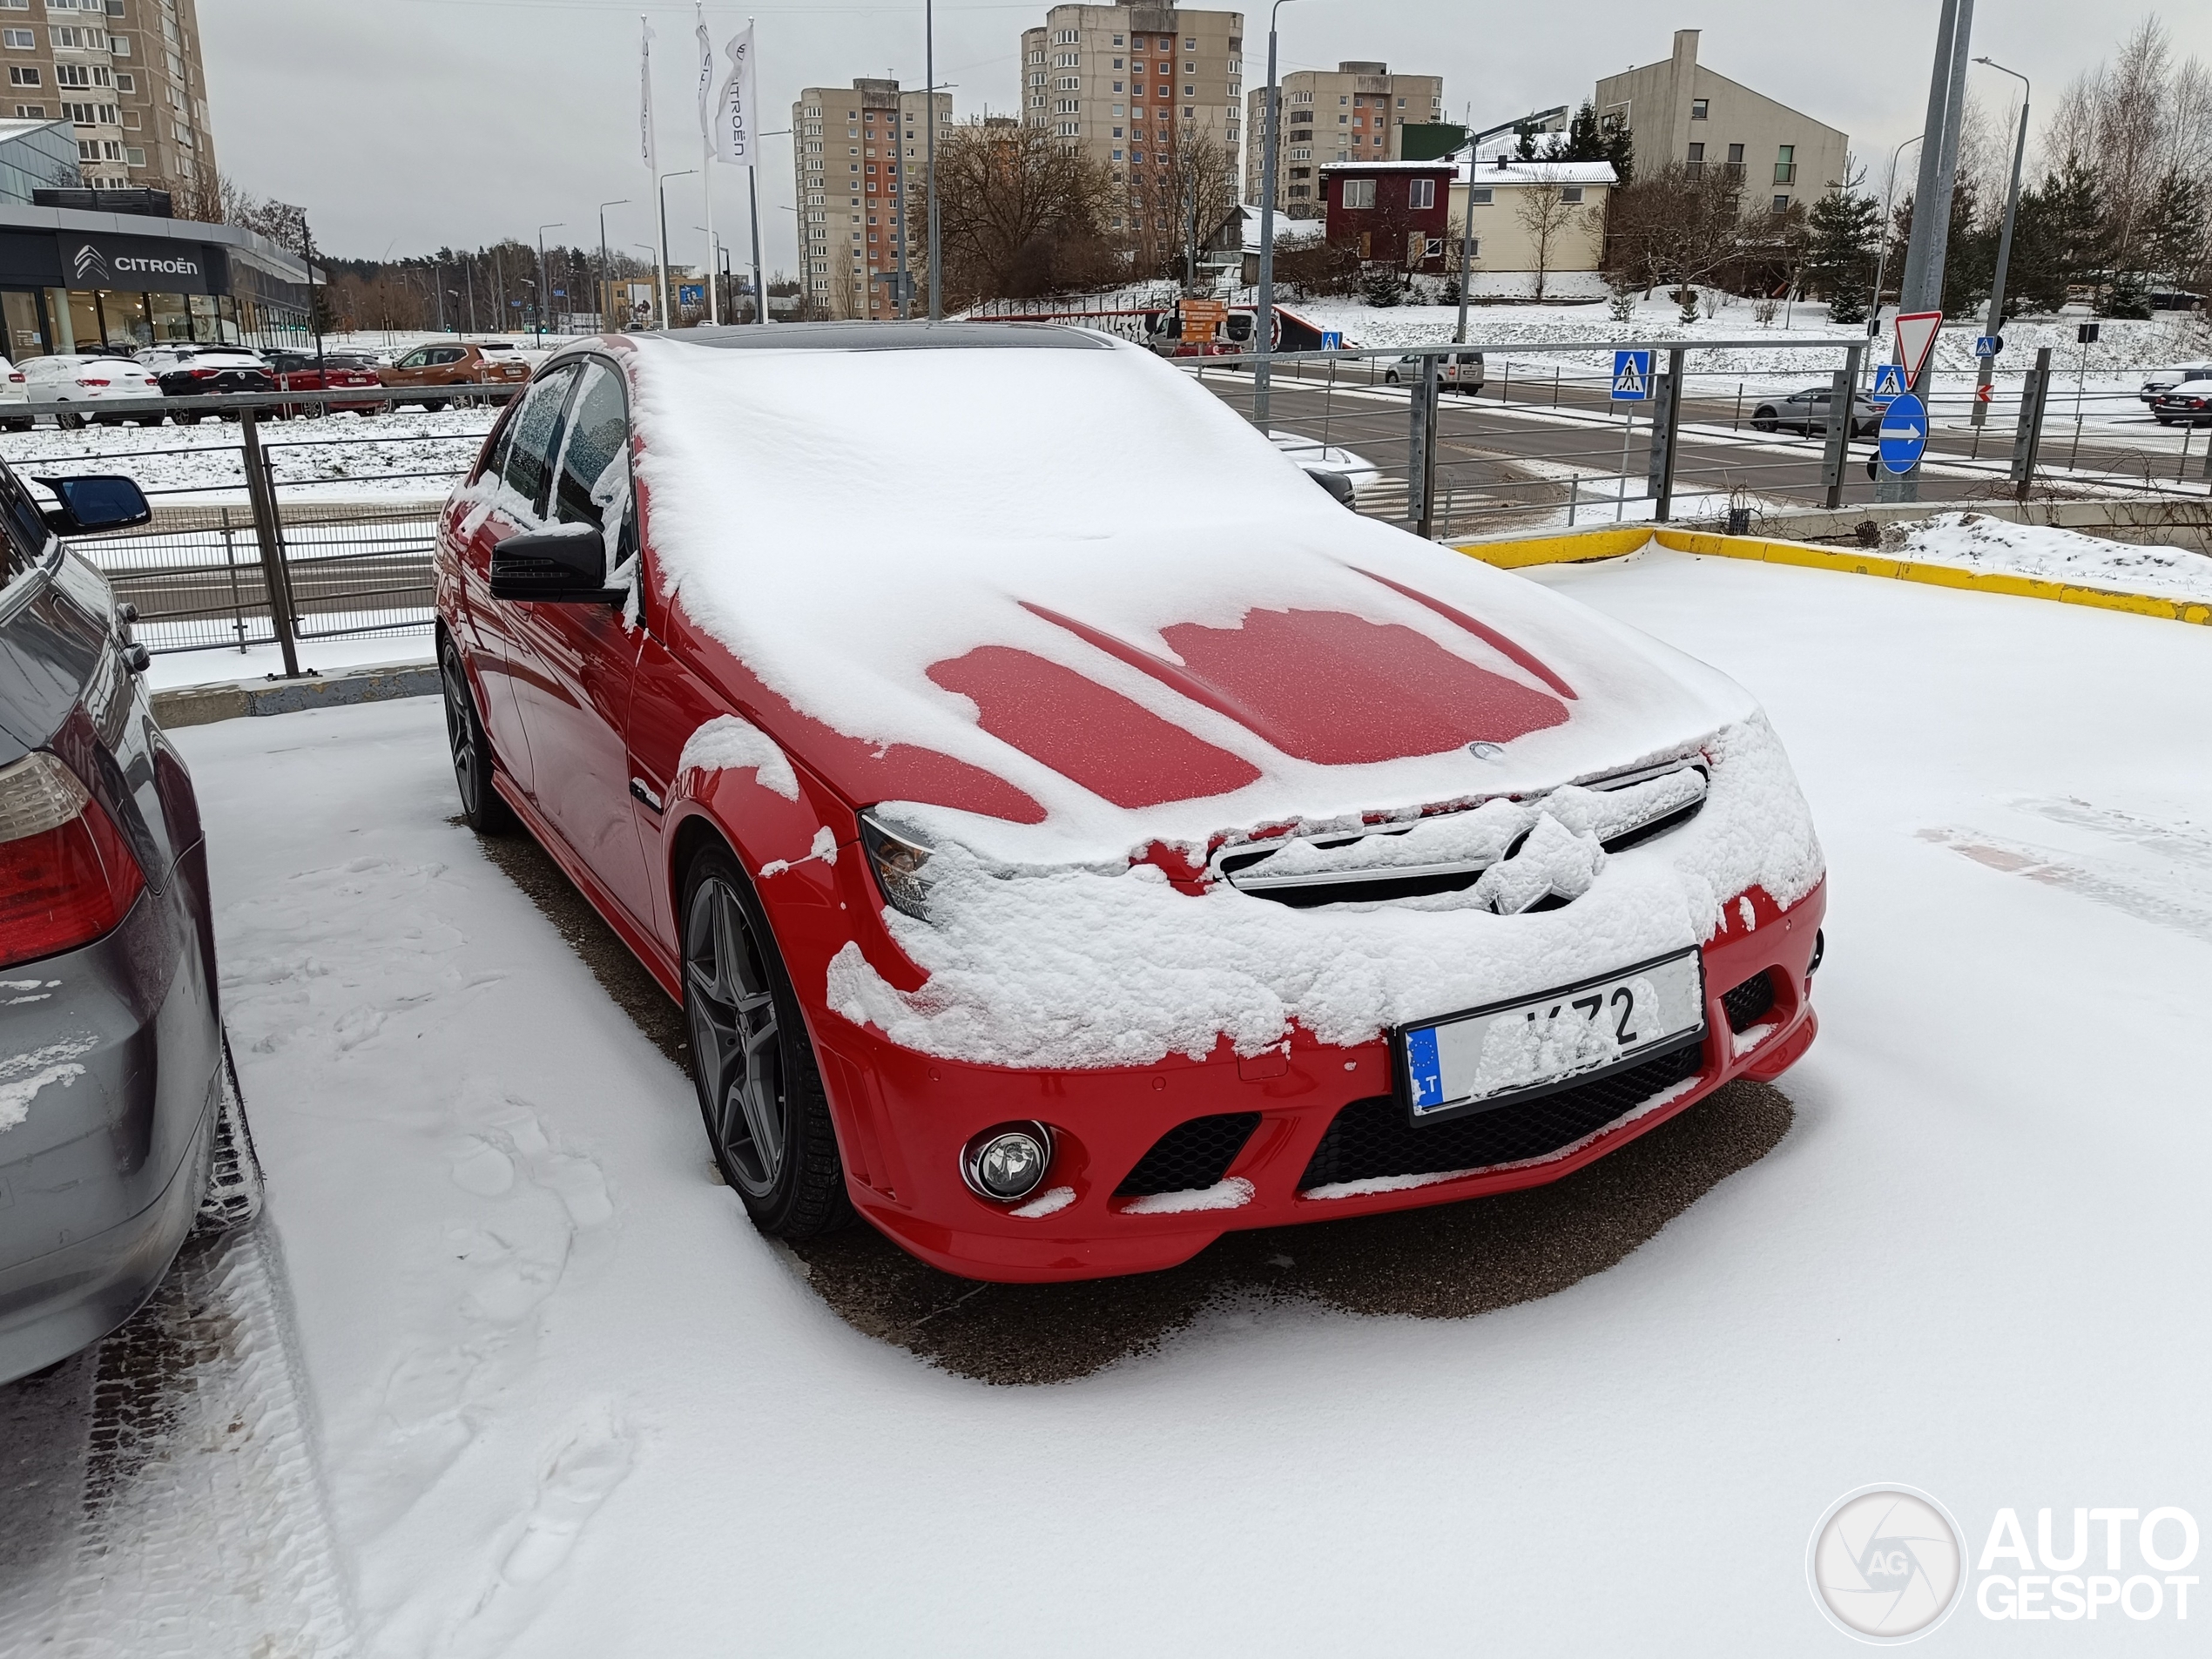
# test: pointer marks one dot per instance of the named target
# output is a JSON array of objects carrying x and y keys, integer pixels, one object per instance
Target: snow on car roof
[
  {"x": 1057, "y": 494},
  {"x": 898, "y": 336}
]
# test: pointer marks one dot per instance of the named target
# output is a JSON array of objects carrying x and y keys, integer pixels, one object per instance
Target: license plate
[{"x": 1490, "y": 1057}]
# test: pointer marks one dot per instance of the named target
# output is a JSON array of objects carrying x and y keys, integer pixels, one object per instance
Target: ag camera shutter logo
[{"x": 1887, "y": 1564}]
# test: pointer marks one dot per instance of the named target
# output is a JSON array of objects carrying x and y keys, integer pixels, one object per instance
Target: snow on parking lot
[
  {"x": 403, "y": 455},
  {"x": 571, "y": 1403}
]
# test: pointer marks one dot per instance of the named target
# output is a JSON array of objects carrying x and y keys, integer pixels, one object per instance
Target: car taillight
[
  {"x": 16, "y": 379},
  {"x": 203, "y": 373},
  {"x": 82, "y": 380},
  {"x": 66, "y": 877}
]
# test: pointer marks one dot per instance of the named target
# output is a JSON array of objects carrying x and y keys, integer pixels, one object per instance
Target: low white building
[{"x": 1537, "y": 224}]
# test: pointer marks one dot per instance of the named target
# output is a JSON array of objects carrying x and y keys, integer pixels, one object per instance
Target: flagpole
[
  {"x": 752, "y": 203},
  {"x": 706, "y": 168},
  {"x": 651, "y": 149}
]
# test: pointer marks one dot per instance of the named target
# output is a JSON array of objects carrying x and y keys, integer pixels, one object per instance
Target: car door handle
[{"x": 637, "y": 788}]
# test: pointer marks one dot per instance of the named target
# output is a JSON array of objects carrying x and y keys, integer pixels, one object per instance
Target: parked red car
[
  {"x": 301, "y": 371},
  {"x": 1070, "y": 834}
]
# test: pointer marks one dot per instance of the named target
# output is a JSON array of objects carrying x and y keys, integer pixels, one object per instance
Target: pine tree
[
  {"x": 1970, "y": 256},
  {"x": 1585, "y": 140},
  {"x": 1841, "y": 264}
]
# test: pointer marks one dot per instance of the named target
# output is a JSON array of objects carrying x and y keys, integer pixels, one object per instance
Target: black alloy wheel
[
  {"x": 761, "y": 1092},
  {"x": 483, "y": 808},
  {"x": 1764, "y": 421}
]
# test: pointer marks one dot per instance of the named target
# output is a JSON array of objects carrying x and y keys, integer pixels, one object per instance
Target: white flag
[
  {"x": 706, "y": 77},
  {"x": 645, "y": 98},
  {"x": 733, "y": 131}
]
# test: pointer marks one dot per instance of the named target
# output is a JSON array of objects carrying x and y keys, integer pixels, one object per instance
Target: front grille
[
  {"x": 1190, "y": 1156},
  {"x": 1370, "y": 1138},
  {"x": 1246, "y": 866},
  {"x": 1749, "y": 1002}
]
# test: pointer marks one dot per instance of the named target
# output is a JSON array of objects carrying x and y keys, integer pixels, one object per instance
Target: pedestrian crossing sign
[
  {"x": 1631, "y": 376},
  {"x": 1889, "y": 382}
]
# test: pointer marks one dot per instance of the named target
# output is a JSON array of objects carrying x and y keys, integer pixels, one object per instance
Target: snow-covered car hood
[{"x": 1078, "y": 573}]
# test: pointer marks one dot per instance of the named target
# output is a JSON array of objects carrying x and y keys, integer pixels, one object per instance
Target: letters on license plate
[{"x": 1488, "y": 1058}]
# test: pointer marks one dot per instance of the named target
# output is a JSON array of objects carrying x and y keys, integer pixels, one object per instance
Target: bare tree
[
  {"x": 1673, "y": 225},
  {"x": 1022, "y": 212},
  {"x": 1549, "y": 218}
]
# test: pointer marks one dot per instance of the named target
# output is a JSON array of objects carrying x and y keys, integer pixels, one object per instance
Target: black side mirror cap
[
  {"x": 561, "y": 564},
  {"x": 92, "y": 501}
]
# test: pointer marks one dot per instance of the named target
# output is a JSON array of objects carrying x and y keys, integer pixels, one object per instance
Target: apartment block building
[
  {"x": 1131, "y": 85},
  {"x": 1356, "y": 113},
  {"x": 855, "y": 151},
  {"x": 126, "y": 75},
  {"x": 1678, "y": 110}
]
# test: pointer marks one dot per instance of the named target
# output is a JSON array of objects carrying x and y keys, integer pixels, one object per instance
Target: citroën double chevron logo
[{"x": 92, "y": 263}]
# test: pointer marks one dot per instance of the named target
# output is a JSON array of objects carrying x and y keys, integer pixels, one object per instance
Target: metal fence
[
  {"x": 296, "y": 527},
  {"x": 1538, "y": 439}
]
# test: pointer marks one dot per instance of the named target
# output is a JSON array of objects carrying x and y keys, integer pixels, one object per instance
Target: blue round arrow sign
[{"x": 1904, "y": 432}]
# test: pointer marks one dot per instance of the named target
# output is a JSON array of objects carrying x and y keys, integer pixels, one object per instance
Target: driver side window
[
  {"x": 593, "y": 487},
  {"x": 528, "y": 465}
]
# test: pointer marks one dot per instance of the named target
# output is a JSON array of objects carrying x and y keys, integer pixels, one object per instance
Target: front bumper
[{"x": 903, "y": 1118}]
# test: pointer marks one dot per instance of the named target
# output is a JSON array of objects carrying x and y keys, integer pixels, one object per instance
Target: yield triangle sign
[{"x": 1915, "y": 338}]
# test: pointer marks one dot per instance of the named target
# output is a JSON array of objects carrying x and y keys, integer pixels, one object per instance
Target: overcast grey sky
[{"x": 400, "y": 124}]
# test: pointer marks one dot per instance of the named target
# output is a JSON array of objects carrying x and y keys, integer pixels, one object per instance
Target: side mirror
[
  {"x": 561, "y": 564},
  {"x": 95, "y": 502}
]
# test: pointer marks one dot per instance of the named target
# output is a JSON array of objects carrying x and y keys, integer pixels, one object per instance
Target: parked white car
[
  {"x": 13, "y": 388},
  {"x": 2160, "y": 381},
  {"x": 91, "y": 379}
]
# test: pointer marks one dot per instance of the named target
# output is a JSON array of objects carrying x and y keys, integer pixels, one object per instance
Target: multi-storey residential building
[
  {"x": 126, "y": 75},
  {"x": 855, "y": 151},
  {"x": 1356, "y": 113},
  {"x": 1132, "y": 84},
  {"x": 1680, "y": 110}
]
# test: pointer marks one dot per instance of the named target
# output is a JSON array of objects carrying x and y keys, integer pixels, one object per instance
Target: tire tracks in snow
[{"x": 163, "y": 1494}]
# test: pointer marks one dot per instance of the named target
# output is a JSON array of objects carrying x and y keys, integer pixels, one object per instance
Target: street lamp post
[
  {"x": 555, "y": 225},
  {"x": 667, "y": 313},
  {"x": 1989, "y": 368},
  {"x": 1882, "y": 260},
  {"x": 1264, "y": 324},
  {"x": 606, "y": 270}
]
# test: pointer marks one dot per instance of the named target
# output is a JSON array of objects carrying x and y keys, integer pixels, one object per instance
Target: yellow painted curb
[
  {"x": 1571, "y": 547},
  {"x": 1939, "y": 576},
  {"x": 1577, "y": 546}
]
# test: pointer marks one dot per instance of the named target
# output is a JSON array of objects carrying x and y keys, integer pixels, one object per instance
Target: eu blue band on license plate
[{"x": 1423, "y": 1072}]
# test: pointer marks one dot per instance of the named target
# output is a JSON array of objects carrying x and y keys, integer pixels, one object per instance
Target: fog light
[{"x": 1006, "y": 1164}]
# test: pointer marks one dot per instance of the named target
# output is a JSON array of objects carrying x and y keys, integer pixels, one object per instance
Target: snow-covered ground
[
  {"x": 571, "y": 1403},
  {"x": 1976, "y": 541},
  {"x": 2112, "y": 368},
  {"x": 403, "y": 454}
]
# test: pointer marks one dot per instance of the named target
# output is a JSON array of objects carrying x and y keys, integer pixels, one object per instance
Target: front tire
[
  {"x": 1764, "y": 422},
  {"x": 482, "y": 804},
  {"x": 759, "y": 1090},
  {"x": 69, "y": 422}
]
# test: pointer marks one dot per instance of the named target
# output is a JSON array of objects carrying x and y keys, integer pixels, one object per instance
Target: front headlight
[{"x": 901, "y": 860}]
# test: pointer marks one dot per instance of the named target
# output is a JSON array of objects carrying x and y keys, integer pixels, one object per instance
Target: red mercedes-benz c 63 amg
[{"x": 1072, "y": 835}]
